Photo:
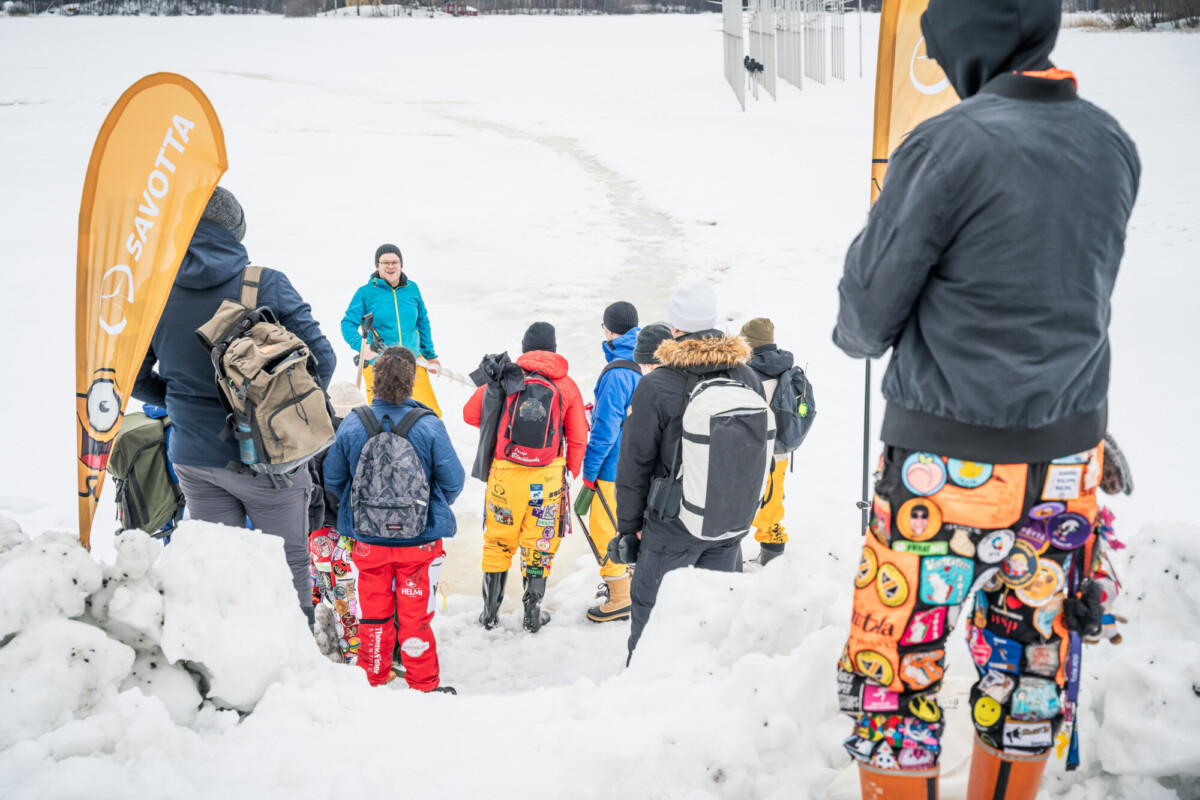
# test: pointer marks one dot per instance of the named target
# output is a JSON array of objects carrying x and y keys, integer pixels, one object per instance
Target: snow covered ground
[{"x": 537, "y": 168}]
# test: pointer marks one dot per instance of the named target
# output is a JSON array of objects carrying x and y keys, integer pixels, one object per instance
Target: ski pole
[
  {"x": 365, "y": 328},
  {"x": 601, "y": 560},
  {"x": 607, "y": 510}
]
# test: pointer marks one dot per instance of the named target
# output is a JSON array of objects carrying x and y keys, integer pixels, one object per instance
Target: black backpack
[{"x": 795, "y": 409}]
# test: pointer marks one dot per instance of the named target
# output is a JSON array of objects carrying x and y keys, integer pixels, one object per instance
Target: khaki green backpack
[
  {"x": 148, "y": 498},
  {"x": 267, "y": 380}
]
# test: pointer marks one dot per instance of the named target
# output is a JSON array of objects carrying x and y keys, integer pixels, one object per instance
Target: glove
[
  {"x": 623, "y": 548},
  {"x": 1084, "y": 614},
  {"x": 591, "y": 484},
  {"x": 584, "y": 501}
]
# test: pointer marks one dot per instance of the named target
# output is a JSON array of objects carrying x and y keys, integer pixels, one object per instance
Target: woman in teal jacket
[{"x": 400, "y": 319}]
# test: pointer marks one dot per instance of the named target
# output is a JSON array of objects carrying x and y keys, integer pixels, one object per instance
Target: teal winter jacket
[{"x": 400, "y": 316}]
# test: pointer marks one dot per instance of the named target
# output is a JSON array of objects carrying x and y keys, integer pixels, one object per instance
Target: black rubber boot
[
  {"x": 493, "y": 595},
  {"x": 535, "y": 618},
  {"x": 766, "y": 552}
]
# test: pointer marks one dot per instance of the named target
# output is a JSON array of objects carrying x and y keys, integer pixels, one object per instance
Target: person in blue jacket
[
  {"x": 399, "y": 318},
  {"x": 396, "y": 582},
  {"x": 613, "y": 393},
  {"x": 183, "y": 382}
]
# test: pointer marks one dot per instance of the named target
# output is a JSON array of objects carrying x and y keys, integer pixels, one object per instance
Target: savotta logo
[
  {"x": 116, "y": 289},
  {"x": 923, "y": 72}
]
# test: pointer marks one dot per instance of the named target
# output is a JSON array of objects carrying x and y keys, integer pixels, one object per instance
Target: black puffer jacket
[
  {"x": 988, "y": 262},
  {"x": 653, "y": 432}
]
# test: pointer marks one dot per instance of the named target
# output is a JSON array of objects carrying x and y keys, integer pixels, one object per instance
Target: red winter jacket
[{"x": 574, "y": 421}]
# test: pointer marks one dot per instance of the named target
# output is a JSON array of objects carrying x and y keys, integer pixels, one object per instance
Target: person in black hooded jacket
[
  {"x": 651, "y": 438},
  {"x": 987, "y": 266}
]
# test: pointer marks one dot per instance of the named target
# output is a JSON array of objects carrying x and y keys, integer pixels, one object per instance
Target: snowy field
[{"x": 538, "y": 168}]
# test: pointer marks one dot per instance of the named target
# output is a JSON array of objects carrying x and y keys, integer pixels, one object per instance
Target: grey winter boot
[
  {"x": 535, "y": 618},
  {"x": 766, "y": 552},
  {"x": 493, "y": 594}
]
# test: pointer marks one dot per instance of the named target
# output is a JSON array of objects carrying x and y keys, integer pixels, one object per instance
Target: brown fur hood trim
[{"x": 713, "y": 351}]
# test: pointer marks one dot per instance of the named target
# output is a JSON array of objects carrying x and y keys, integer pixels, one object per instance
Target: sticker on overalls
[
  {"x": 923, "y": 474},
  {"x": 860, "y": 749},
  {"x": 1047, "y": 580},
  {"x": 875, "y": 666},
  {"x": 1008, "y": 616},
  {"x": 997, "y": 685},
  {"x": 920, "y": 548},
  {"x": 961, "y": 543},
  {"x": 916, "y": 758},
  {"x": 877, "y": 698},
  {"x": 986, "y": 712},
  {"x": 881, "y": 519},
  {"x": 867, "y": 567},
  {"x": 891, "y": 586},
  {"x": 1069, "y": 531},
  {"x": 995, "y": 652},
  {"x": 921, "y": 670},
  {"x": 925, "y": 708},
  {"x": 915, "y": 732},
  {"x": 543, "y": 544},
  {"x": 1020, "y": 735},
  {"x": 1063, "y": 482},
  {"x": 945, "y": 579},
  {"x": 884, "y": 758},
  {"x": 535, "y": 494},
  {"x": 1035, "y": 699},
  {"x": 850, "y": 692},
  {"x": 1020, "y": 566},
  {"x": 968, "y": 474},
  {"x": 1042, "y": 659},
  {"x": 1033, "y": 531},
  {"x": 925, "y": 627},
  {"x": 995, "y": 546},
  {"x": 502, "y": 515},
  {"x": 1044, "y": 511},
  {"x": 1043, "y": 618},
  {"x": 919, "y": 519}
]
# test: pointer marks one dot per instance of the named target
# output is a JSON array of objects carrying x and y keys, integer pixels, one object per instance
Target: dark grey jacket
[
  {"x": 988, "y": 261},
  {"x": 653, "y": 432}
]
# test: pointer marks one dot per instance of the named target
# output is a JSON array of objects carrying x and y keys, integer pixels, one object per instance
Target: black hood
[
  {"x": 214, "y": 257},
  {"x": 973, "y": 41},
  {"x": 771, "y": 362}
]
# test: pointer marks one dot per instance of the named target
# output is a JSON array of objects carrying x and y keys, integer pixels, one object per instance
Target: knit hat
[
  {"x": 693, "y": 308},
  {"x": 540, "y": 336},
  {"x": 648, "y": 340},
  {"x": 759, "y": 331},
  {"x": 620, "y": 317},
  {"x": 388, "y": 248},
  {"x": 224, "y": 209},
  {"x": 344, "y": 396}
]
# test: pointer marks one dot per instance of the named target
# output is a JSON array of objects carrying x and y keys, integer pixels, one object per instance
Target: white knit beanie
[
  {"x": 693, "y": 308},
  {"x": 345, "y": 397}
]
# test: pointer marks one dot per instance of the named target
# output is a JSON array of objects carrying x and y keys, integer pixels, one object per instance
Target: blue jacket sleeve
[
  {"x": 891, "y": 259},
  {"x": 427, "y": 349},
  {"x": 150, "y": 387},
  {"x": 447, "y": 471},
  {"x": 352, "y": 319},
  {"x": 612, "y": 400},
  {"x": 296, "y": 316},
  {"x": 336, "y": 470}
]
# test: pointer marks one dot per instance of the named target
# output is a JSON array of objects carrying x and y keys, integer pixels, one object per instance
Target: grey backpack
[{"x": 389, "y": 497}]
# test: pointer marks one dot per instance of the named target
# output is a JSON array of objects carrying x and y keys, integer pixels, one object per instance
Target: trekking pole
[
  {"x": 607, "y": 510},
  {"x": 600, "y": 560},
  {"x": 863, "y": 504},
  {"x": 365, "y": 327}
]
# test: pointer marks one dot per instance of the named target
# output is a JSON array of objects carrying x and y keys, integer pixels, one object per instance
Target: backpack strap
[
  {"x": 620, "y": 363},
  {"x": 251, "y": 280},
  {"x": 370, "y": 423},
  {"x": 410, "y": 419}
]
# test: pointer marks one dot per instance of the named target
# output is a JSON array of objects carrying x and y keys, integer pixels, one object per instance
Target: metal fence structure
[
  {"x": 735, "y": 49},
  {"x": 762, "y": 41},
  {"x": 837, "y": 39},
  {"x": 814, "y": 40}
]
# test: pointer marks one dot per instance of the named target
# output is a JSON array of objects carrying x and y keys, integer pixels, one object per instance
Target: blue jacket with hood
[
  {"x": 613, "y": 392},
  {"x": 429, "y": 439},
  {"x": 183, "y": 381}
]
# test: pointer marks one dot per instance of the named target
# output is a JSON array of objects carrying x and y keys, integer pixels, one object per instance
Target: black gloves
[{"x": 623, "y": 548}]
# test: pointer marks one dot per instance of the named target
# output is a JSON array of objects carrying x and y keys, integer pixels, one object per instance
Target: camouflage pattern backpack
[{"x": 389, "y": 497}]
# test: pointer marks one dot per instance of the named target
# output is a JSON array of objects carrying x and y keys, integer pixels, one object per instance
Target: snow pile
[{"x": 166, "y": 637}]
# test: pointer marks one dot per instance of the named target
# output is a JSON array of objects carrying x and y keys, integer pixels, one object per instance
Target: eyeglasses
[{"x": 389, "y": 263}]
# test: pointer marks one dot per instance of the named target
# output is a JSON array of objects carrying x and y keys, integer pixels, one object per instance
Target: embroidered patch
[
  {"x": 925, "y": 708},
  {"x": 1063, "y": 482},
  {"x": 535, "y": 494},
  {"x": 1027, "y": 735},
  {"x": 860, "y": 749},
  {"x": 994, "y": 652},
  {"x": 921, "y": 670},
  {"x": 968, "y": 474},
  {"x": 1045, "y": 511},
  {"x": 997, "y": 686},
  {"x": 919, "y": 519},
  {"x": 881, "y": 519},
  {"x": 884, "y": 758},
  {"x": 916, "y": 758},
  {"x": 986, "y": 712},
  {"x": 875, "y": 667},
  {"x": 944, "y": 580},
  {"x": 920, "y": 548},
  {"x": 1043, "y": 618},
  {"x": 1047, "y": 579},
  {"x": 1041, "y": 659},
  {"x": 502, "y": 515},
  {"x": 877, "y": 698},
  {"x": 995, "y": 546},
  {"x": 891, "y": 586},
  {"x": 925, "y": 627},
  {"x": 923, "y": 473},
  {"x": 1020, "y": 566},
  {"x": 1069, "y": 531},
  {"x": 867, "y": 567},
  {"x": 1034, "y": 532},
  {"x": 542, "y": 544},
  {"x": 961, "y": 543}
]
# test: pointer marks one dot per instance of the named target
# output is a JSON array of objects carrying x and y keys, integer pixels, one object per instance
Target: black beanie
[
  {"x": 388, "y": 248},
  {"x": 540, "y": 336},
  {"x": 648, "y": 340},
  {"x": 224, "y": 209},
  {"x": 620, "y": 317}
]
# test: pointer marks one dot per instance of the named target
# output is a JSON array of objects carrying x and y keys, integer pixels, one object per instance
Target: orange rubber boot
[
  {"x": 897, "y": 784},
  {"x": 1004, "y": 776}
]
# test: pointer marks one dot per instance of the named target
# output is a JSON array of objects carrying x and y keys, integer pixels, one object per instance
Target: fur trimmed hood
[{"x": 697, "y": 351}]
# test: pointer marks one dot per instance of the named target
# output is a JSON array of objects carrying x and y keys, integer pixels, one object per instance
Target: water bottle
[{"x": 246, "y": 445}]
